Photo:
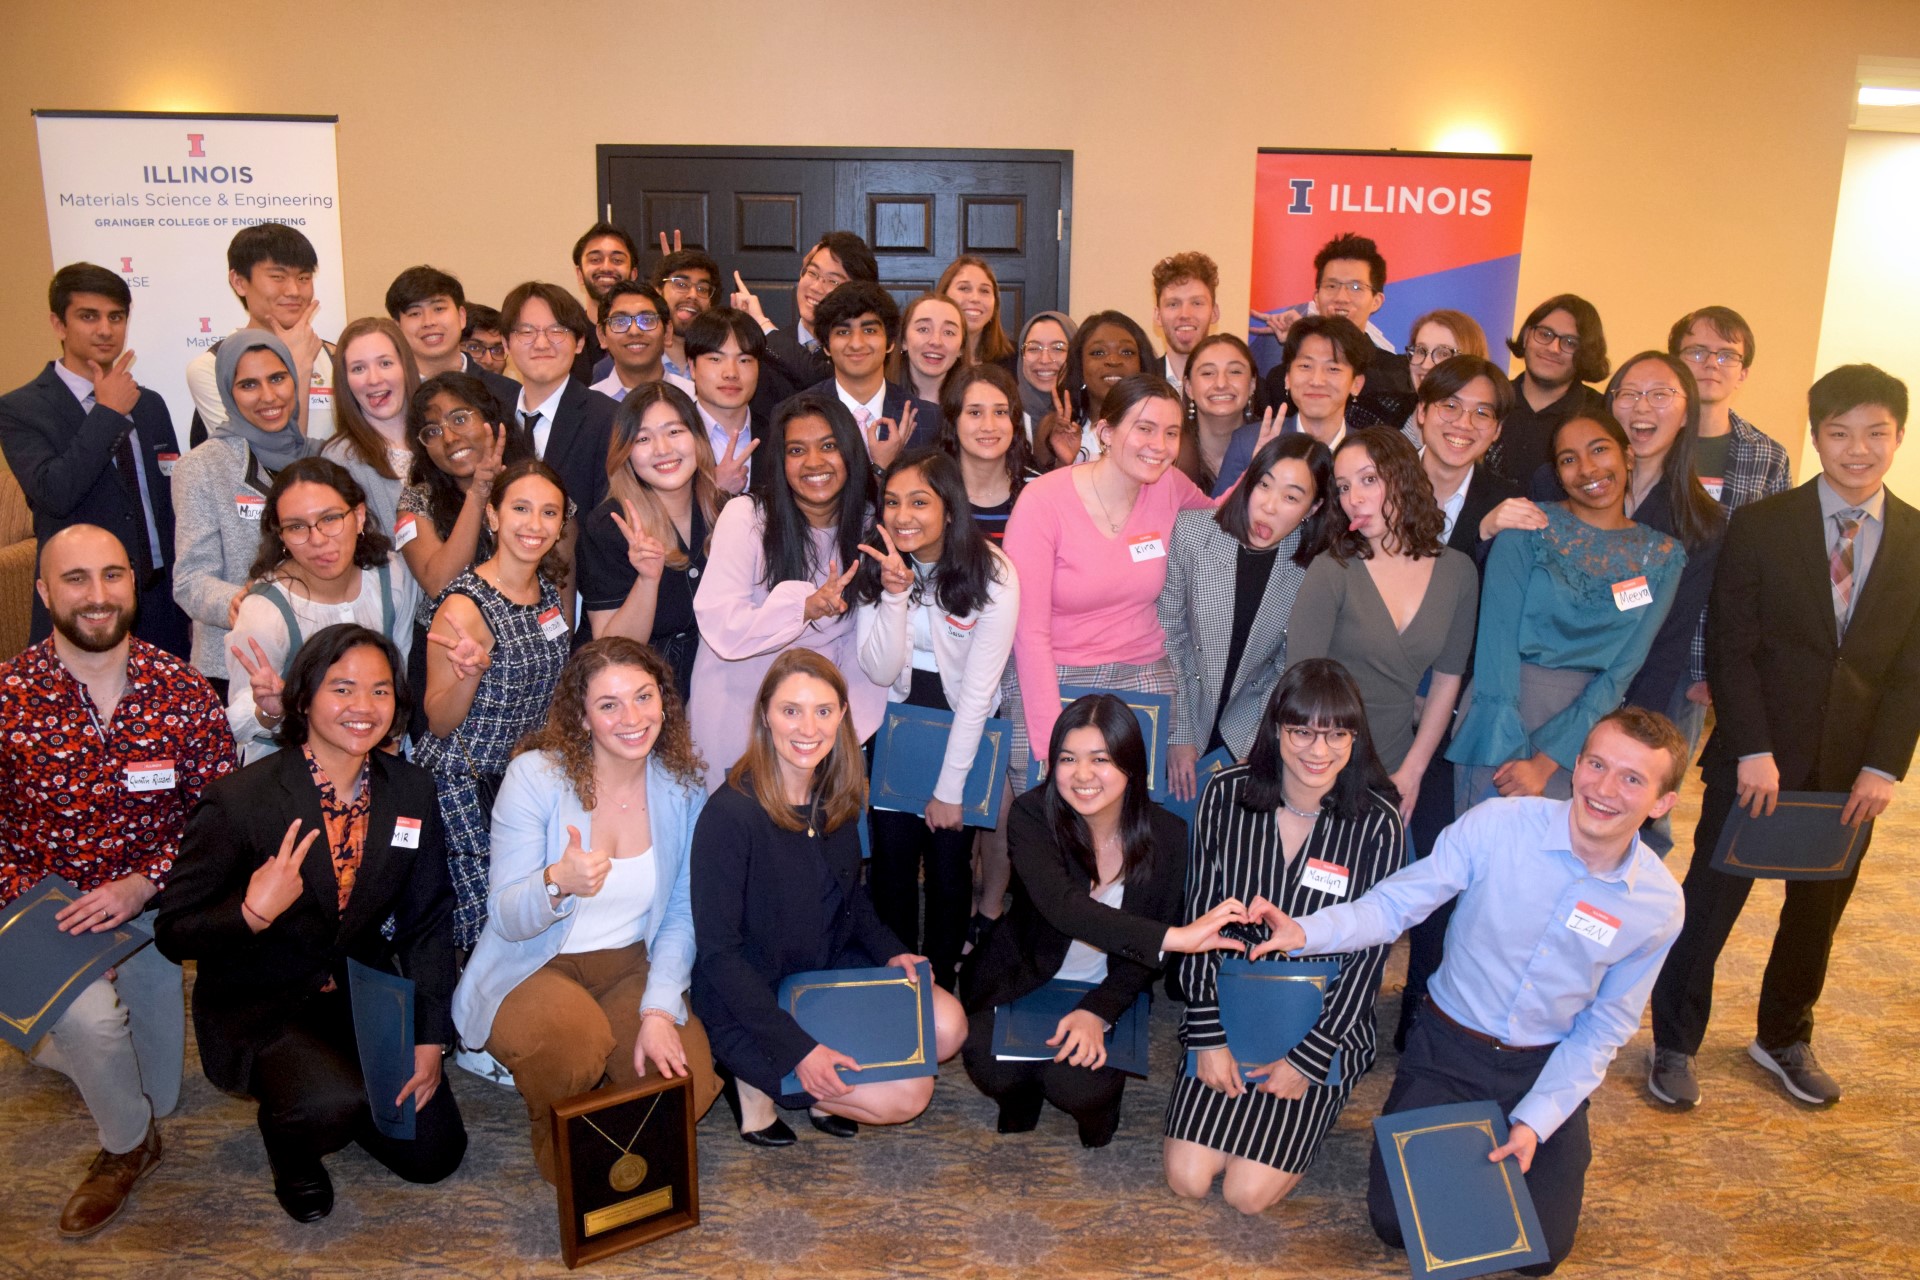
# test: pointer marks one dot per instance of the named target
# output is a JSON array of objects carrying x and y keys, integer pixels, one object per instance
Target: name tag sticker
[
  {"x": 1326, "y": 877},
  {"x": 150, "y": 775},
  {"x": 250, "y": 505},
  {"x": 1592, "y": 923},
  {"x": 958, "y": 627},
  {"x": 166, "y": 461},
  {"x": 1148, "y": 546},
  {"x": 1713, "y": 485},
  {"x": 406, "y": 833},
  {"x": 1632, "y": 593},
  {"x": 405, "y": 530},
  {"x": 552, "y": 625}
]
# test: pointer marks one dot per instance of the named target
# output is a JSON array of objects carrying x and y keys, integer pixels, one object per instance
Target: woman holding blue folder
[
  {"x": 938, "y": 635},
  {"x": 1097, "y": 874},
  {"x": 1311, "y": 818},
  {"x": 776, "y": 891}
]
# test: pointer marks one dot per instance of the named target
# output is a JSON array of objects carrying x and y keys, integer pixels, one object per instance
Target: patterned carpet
[{"x": 1749, "y": 1185}]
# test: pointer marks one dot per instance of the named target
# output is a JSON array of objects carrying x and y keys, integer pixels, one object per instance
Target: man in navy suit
[
  {"x": 571, "y": 424},
  {"x": 89, "y": 445},
  {"x": 859, "y": 322}
]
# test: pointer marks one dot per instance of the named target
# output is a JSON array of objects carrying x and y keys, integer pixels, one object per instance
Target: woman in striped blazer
[
  {"x": 1310, "y": 819},
  {"x": 1232, "y": 574}
]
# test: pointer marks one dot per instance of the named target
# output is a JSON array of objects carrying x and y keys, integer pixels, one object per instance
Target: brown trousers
[{"x": 572, "y": 1024}]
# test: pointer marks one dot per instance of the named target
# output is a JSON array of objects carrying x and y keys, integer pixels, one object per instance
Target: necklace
[
  {"x": 1298, "y": 813},
  {"x": 630, "y": 1170},
  {"x": 1093, "y": 482}
]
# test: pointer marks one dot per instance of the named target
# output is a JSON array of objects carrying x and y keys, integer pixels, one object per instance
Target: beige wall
[
  {"x": 1682, "y": 154},
  {"x": 1873, "y": 285}
]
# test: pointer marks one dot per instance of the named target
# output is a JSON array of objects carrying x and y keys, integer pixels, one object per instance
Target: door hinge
[
  {"x": 1059, "y": 224},
  {"x": 609, "y": 211}
]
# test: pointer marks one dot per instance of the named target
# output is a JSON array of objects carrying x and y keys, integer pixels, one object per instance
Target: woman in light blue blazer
[{"x": 582, "y": 973}]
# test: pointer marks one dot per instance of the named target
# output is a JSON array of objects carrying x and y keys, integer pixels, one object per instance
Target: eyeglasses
[
  {"x": 495, "y": 349},
  {"x": 1424, "y": 355},
  {"x": 1044, "y": 348},
  {"x": 1300, "y": 737},
  {"x": 1482, "y": 415},
  {"x": 687, "y": 284},
  {"x": 1353, "y": 288},
  {"x": 1707, "y": 355},
  {"x": 829, "y": 279},
  {"x": 459, "y": 419},
  {"x": 644, "y": 321},
  {"x": 554, "y": 333},
  {"x": 1656, "y": 397},
  {"x": 296, "y": 533},
  {"x": 1546, "y": 337}
]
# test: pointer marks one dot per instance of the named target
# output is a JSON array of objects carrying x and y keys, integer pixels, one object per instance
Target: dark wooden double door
[{"x": 758, "y": 210}]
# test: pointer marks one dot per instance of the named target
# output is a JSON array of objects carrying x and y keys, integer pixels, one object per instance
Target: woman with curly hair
[
  {"x": 582, "y": 973},
  {"x": 1389, "y": 601}
]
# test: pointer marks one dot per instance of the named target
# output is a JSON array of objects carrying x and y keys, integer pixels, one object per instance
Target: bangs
[{"x": 1323, "y": 703}]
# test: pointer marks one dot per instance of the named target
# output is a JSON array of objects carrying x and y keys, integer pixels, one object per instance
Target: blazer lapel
[
  {"x": 316, "y": 869},
  {"x": 380, "y": 862},
  {"x": 65, "y": 406},
  {"x": 1897, "y": 546},
  {"x": 1807, "y": 538},
  {"x": 1212, "y": 581}
]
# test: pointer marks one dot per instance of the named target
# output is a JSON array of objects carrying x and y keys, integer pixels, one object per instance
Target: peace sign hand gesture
[
  {"x": 468, "y": 656},
  {"x": 1059, "y": 429},
  {"x": 827, "y": 600},
  {"x": 665, "y": 248},
  {"x": 731, "y": 473},
  {"x": 275, "y": 884},
  {"x": 895, "y": 577},
  {"x": 744, "y": 299},
  {"x": 265, "y": 682},
  {"x": 491, "y": 463},
  {"x": 1270, "y": 423},
  {"x": 646, "y": 553}
]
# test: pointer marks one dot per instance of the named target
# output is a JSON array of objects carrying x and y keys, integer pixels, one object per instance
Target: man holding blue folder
[
  {"x": 106, "y": 742},
  {"x": 1562, "y": 923}
]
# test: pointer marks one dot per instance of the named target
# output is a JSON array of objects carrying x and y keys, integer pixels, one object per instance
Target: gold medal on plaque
[{"x": 628, "y": 1172}]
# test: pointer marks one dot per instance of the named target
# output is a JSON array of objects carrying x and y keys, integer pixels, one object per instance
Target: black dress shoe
[
  {"x": 834, "y": 1126},
  {"x": 303, "y": 1189},
  {"x": 776, "y": 1134},
  {"x": 1020, "y": 1110}
]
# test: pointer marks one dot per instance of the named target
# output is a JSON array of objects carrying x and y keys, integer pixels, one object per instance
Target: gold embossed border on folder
[
  {"x": 27, "y": 1021},
  {"x": 1318, "y": 980},
  {"x": 918, "y": 1057},
  {"x": 1734, "y": 862},
  {"x": 1520, "y": 1242},
  {"x": 998, "y": 744}
]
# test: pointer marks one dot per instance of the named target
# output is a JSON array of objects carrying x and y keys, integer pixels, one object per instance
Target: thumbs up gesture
[{"x": 580, "y": 871}]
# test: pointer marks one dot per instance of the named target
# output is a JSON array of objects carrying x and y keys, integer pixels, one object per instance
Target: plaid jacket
[{"x": 1756, "y": 468}]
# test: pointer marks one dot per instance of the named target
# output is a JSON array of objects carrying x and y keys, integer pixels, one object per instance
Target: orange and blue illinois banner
[{"x": 1449, "y": 226}]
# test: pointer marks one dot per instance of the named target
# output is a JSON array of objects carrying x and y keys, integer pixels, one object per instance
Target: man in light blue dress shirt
[{"x": 1563, "y": 921}]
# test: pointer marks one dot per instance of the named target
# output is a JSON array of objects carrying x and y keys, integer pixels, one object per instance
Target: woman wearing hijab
[
  {"x": 1038, "y": 361},
  {"x": 220, "y": 489}
]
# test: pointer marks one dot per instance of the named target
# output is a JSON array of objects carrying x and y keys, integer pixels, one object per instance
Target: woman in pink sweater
[{"x": 1090, "y": 543}]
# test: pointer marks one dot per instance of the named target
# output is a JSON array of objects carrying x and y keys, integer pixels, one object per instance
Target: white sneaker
[{"x": 483, "y": 1064}]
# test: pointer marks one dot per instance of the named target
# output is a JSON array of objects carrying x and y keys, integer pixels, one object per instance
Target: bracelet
[{"x": 247, "y": 909}]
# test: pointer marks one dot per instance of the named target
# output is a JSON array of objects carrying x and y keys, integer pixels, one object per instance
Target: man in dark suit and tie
[
  {"x": 797, "y": 358},
  {"x": 89, "y": 445},
  {"x": 860, "y": 322},
  {"x": 571, "y": 424},
  {"x": 1813, "y": 653}
]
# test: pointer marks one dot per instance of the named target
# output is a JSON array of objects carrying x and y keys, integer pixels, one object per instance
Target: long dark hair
[
  {"x": 953, "y": 402},
  {"x": 309, "y": 669},
  {"x": 966, "y": 566},
  {"x": 1233, "y": 517},
  {"x": 1317, "y": 692},
  {"x": 444, "y": 496},
  {"x": 786, "y": 538},
  {"x": 554, "y": 567},
  {"x": 370, "y": 549},
  {"x": 1697, "y": 518},
  {"x": 1116, "y": 723},
  {"x": 1189, "y": 460},
  {"x": 1414, "y": 519}
]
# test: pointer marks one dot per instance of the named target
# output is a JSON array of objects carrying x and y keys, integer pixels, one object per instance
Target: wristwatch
[{"x": 553, "y": 890}]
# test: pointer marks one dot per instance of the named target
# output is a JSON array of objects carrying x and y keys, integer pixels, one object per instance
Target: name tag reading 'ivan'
[
  {"x": 1148, "y": 546},
  {"x": 1632, "y": 593},
  {"x": 1591, "y": 922}
]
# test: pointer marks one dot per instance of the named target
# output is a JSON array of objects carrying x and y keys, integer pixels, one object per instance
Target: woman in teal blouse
[{"x": 1567, "y": 614}]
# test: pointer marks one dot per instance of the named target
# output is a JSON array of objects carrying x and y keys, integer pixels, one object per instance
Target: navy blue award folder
[
  {"x": 1460, "y": 1213},
  {"x": 47, "y": 968},
  {"x": 1802, "y": 839},
  {"x": 1267, "y": 1007},
  {"x": 910, "y": 749},
  {"x": 1021, "y": 1029},
  {"x": 1203, "y": 773},
  {"x": 1154, "y": 711},
  {"x": 874, "y": 1016},
  {"x": 383, "y": 1031}
]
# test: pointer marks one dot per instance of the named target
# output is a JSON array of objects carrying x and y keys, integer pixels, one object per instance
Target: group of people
[{"x": 555, "y": 693}]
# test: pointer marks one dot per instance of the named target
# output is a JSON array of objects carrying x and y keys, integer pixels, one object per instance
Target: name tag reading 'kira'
[
  {"x": 1326, "y": 877},
  {"x": 150, "y": 775},
  {"x": 1591, "y": 922},
  {"x": 552, "y": 625},
  {"x": 1632, "y": 593},
  {"x": 1148, "y": 546}
]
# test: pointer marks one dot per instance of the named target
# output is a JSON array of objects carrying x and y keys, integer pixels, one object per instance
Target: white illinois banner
[{"x": 156, "y": 197}]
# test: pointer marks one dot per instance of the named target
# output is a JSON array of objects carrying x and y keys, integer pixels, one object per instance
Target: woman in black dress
[{"x": 1310, "y": 819}]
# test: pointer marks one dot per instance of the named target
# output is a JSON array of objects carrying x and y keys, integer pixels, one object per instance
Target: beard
[{"x": 68, "y": 624}]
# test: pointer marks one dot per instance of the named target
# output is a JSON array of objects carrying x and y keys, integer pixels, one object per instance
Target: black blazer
[
  {"x": 63, "y": 459},
  {"x": 577, "y": 444},
  {"x": 1669, "y": 662},
  {"x": 249, "y": 984},
  {"x": 756, "y": 919},
  {"x": 926, "y": 416},
  {"x": 505, "y": 389},
  {"x": 1051, "y": 908},
  {"x": 788, "y": 369},
  {"x": 1486, "y": 489},
  {"x": 1782, "y": 681}
]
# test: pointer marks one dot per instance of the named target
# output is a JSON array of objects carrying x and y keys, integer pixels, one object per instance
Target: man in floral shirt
[{"x": 106, "y": 743}]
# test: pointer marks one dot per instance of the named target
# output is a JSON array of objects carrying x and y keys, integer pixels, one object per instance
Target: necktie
[
  {"x": 862, "y": 417},
  {"x": 532, "y": 421},
  {"x": 1840, "y": 565},
  {"x": 126, "y": 466},
  {"x": 813, "y": 348}
]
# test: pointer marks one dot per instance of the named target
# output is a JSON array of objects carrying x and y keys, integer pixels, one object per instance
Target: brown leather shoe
[{"x": 104, "y": 1190}]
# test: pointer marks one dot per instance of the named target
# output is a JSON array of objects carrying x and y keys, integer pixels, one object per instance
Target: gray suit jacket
[{"x": 1196, "y": 608}]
